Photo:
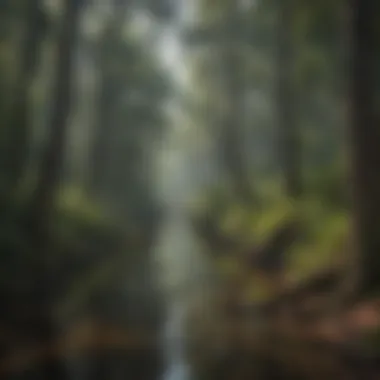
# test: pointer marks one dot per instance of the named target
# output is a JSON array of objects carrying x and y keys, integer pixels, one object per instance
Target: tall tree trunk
[
  {"x": 232, "y": 144},
  {"x": 53, "y": 157},
  {"x": 101, "y": 148},
  {"x": 19, "y": 121},
  {"x": 41, "y": 217},
  {"x": 110, "y": 90},
  {"x": 365, "y": 141},
  {"x": 288, "y": 147}
]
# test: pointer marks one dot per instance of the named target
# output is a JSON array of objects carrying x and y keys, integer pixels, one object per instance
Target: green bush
[{"x": 322, "y": 228}]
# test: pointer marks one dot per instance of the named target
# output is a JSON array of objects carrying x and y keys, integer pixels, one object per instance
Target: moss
[
  {"x": 324, "y": 233},
  {"x": 77, "y": 220},
  {"x": 323, "y": 229},
  {"x": 78, "y": 216}
]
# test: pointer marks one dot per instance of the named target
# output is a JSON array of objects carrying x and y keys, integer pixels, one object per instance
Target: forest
[{"x": 189, "y": 189}]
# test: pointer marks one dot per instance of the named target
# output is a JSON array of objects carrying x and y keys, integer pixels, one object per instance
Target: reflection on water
[
  {"x": 181, "y": 269},
  {"x": 174, "y": 342},
  {"x": 183, "y": 273},
  {"x": 185, "y": 170}
]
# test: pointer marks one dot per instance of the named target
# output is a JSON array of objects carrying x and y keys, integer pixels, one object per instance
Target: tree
[
  {"x": 286, "y": 107},
  {"x": 43, "y": 199},
  {"x": 52, "y": 160},
  {"x": 110, "y": 90},
  {"x": 222, "y": 29},
  {"x": 232, "y": 120},
  {"x": 66, "y": 269},
  {"x": 365, "y": 141},
  {"x": 19, "y": 126},
  {"x": 132, "y": 92}
]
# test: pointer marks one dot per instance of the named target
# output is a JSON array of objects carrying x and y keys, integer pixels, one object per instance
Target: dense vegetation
[{"x": 276, "y": 104}]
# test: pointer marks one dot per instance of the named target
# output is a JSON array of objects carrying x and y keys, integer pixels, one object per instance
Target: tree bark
[
  {"x": 288, "y": 146},
  {"x": 365, "y": 142},
  {"x": 43, "y": 200},
  {"x": 53, "y": 158},
  {"x": 110, "y": 91},
  {"x": 231, "y": 139},
  {"x": 19, "y": 121}
]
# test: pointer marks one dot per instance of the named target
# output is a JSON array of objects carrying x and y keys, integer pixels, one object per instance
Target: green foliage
[
  {"x": 323, "y": 228},
  {"x": 77, "y": 220},
  {"x": 77, "y": 214},
  {"x": 329, "y": 183},
  {"x": 324, "y": 232}
]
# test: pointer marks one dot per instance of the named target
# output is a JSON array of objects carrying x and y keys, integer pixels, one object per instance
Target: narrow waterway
[
  {"x": 182, "y": 275},
  {"x": 185, "y": 172},
  {"x": 182, "y": 268}
]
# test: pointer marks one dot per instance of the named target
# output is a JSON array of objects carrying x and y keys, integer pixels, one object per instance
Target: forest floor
[
  {"x": 86, "y": 338},
  {"x": 341, "y": 346}
]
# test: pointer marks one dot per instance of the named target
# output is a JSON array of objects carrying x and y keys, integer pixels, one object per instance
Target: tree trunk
[
  {"x": 19, "y": 119},
  {"x": 365, "y": 142},
  {"x": 43, "y": 201},
  {"x": 101, "y": 148},
  {"x": 288, "y": 147},
  {"x": 110, "y": 90},
  {"x": 232, "y": 152},
  {"x": 53, "y": 157}
]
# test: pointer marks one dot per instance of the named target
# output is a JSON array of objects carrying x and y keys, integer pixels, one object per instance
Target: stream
[
  {"x": 183, "y": 272},
  {"x": 185, "y": 172}
]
